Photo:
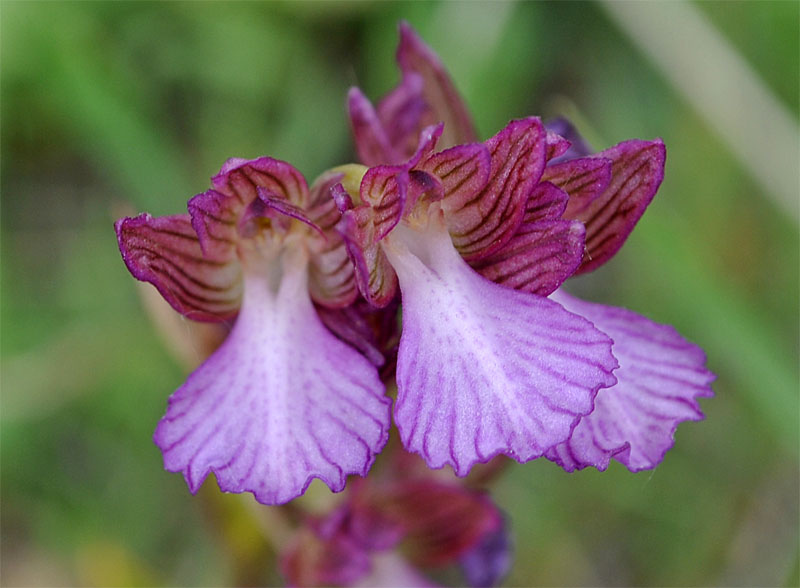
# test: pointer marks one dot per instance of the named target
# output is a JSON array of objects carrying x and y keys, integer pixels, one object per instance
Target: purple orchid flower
[
  {"x": 282, "y": 400},
  {"x": 535, "y": 245},
  {"x": 482, "y": 369}
]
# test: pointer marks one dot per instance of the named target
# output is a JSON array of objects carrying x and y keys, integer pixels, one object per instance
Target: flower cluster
[{"x": 466, "y": 244}]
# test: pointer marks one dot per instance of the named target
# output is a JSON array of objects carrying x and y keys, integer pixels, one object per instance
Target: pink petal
[
  {"x": 483, "y": 369},
  {"x": 166, "y": 252},
  {"x": 660, "y": 377},
  {"x": 281, "y": 402}
]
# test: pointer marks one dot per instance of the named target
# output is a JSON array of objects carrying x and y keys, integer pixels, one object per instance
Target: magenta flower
[
  {"x": 282, "y": 400},
  {"x": 472, "y": 240},
  {"x": 549, "y": 211},
  {"x": 482, "y": 369}
]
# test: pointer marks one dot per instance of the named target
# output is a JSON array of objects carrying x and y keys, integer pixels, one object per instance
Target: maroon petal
[
  {"x": 404, "y": 113},
  {"x": 374, "y": 275},
  {"x": 166, "y": 252},
  {"x": 443, "y": 521},
  {"x": 241, "y": 178},
  {"x": 583, "y": 179},
  {"x": 463, "y": 172},
  {"x": 312, "y": 559},
  {"x": 545, "y": 250},
  {"x": 372, "y": 142},
  {"x": 331, "y": 277},
  {"x": 445, "y": 104},
  {"x": 483, "y": 223},
  {"x": 637, "y": 170}
]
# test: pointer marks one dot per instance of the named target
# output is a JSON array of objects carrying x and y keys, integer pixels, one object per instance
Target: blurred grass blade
[{"x": 723, "y": 88}]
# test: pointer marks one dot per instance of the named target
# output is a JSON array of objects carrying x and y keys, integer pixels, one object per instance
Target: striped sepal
[
  {"x": 331, "y": 277},
  {"x": 241, "y": 178},
  {"x": 444, "y": 102},
  {"x": 165, "y": 251},
  {"x": 584, "y": 179},
  {"x": 637, "y": 170},
  {"x": 483, "y": 223},
  {"x": 545, "y": 250}
]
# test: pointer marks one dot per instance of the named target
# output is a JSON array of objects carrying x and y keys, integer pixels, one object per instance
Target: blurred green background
[{"x": 114, "y": 105}]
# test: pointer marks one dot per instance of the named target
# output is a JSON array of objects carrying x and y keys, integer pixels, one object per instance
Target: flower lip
[
  {"x": 264, "y": 418},
  {"x": 482, "y": 369}
]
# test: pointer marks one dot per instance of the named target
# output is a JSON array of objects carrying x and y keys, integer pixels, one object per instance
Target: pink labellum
[
  {"x": 281, "y": 402},
  {"x": 483, "y": 369},
  {"x": 660, "y": 377}
]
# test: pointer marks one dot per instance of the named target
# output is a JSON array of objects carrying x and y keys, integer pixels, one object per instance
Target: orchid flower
[
  {"x": 282, "y": 400},
  {"x": 482, "y": 369},
  {"x": 660, "y": 374}
]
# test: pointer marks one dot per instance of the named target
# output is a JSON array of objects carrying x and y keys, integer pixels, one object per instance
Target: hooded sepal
[
  {"x": 660, "y": 378},
  {"x": 241, "y": 178}
]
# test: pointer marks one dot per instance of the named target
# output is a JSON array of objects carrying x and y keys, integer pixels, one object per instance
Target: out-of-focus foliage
[{"x": 111, "y": 108}]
